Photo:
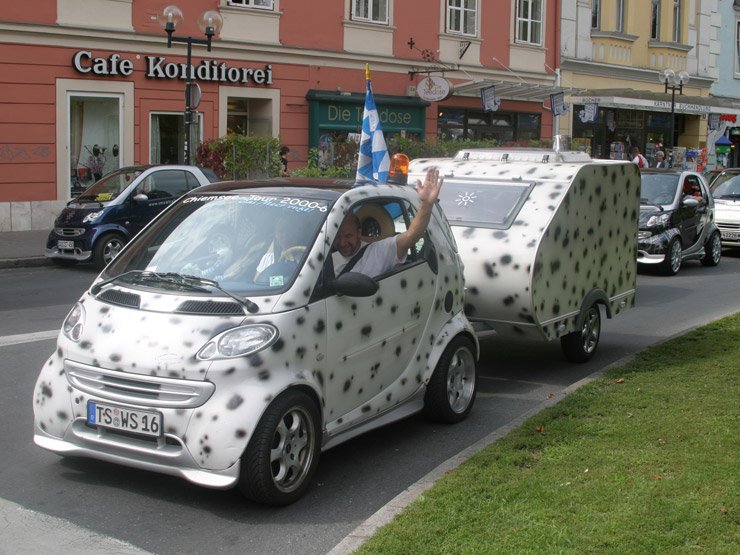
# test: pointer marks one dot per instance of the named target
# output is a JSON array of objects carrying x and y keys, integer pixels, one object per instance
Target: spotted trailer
[{"x": 548, "y": 239}]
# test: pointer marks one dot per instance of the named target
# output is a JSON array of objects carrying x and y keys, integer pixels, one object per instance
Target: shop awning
[
  {"x": 656, "y": 101},
  {"x": 513, "y": 90}
]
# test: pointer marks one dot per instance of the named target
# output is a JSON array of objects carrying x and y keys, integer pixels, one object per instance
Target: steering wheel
[{"x": 293, "y": 254}]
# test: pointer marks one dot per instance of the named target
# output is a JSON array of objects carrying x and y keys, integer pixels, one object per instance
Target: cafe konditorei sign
[{"x": 157, "y": 67}]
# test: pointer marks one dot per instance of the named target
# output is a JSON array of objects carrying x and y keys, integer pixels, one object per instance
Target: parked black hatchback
[
  {"x": 676, "y": 221},
  {"x": 96, "y": 224}
]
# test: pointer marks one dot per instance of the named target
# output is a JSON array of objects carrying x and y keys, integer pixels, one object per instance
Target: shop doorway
[
  {"x": 167, "y": 138},
  {"x": 94, "y": 138}
]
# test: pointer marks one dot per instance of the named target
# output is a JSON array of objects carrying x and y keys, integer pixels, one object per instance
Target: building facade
[
  {"x": 615, "y": 52},
  {"x": 727, "y": 86},
  {"x": 87, "y": 86}
]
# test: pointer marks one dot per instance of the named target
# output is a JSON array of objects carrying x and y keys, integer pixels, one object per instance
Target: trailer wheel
[
  {"x": 451, "y": 390},
  {"x": 579, "y": 346}
]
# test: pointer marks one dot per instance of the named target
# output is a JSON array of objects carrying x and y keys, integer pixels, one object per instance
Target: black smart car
[{"x": 676, "y": 221}]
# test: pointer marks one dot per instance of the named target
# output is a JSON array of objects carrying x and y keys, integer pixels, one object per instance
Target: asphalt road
[{"x": 165, "y": 515}]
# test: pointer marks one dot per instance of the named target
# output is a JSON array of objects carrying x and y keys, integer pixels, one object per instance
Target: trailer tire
[
  {"x": 451, "y": 390},
  {"x": 580, "y": 345}
]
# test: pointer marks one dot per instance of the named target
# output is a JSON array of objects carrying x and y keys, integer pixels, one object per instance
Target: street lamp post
[
  {"x": 210, "y": 23},
  {"x": 675, "y": 82}
]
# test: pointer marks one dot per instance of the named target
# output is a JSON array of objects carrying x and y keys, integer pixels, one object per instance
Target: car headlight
[
  {"x": 92, "y": 216},
  {"x": 238, "y": 342},
  {"x": 74, "y": 322},
  {"x": 659, "y": 220}
]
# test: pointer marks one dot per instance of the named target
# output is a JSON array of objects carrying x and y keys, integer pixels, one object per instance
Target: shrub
[{"x": 241, "y": 157}]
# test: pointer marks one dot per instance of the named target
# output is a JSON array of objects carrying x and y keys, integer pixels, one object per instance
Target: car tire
[
  {"x": 106, "y": 248},
  {"x": 283, "y": 454},
  {"x": 712, "y": 250},
  {"x": 580, "y": 345},
  {"x": 64, "y": 262},
  {"x": 451, "y": 390},
  {"x": 672, "y": 262}
]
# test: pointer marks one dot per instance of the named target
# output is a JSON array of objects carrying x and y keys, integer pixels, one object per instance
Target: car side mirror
[
  {"x": 355, "y": 284},
  {"x": 141, "y": 197},
  {"x": 691, "y": 202}
]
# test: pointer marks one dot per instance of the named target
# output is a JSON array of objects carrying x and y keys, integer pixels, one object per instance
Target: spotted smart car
[{"x": 219, "y": 346}]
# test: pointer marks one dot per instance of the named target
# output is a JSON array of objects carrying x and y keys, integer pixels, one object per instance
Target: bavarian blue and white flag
[{"x": 373, "y": 161}]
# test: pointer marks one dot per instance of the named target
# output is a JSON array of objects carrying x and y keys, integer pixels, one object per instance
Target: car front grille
[
  {"x": 69, "y": 231},
  {"x": 137, "y": 389},
  {"x": 729, "y": 226}
]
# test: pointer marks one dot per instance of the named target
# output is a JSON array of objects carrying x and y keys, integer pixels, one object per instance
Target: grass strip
[{"x": 645, "y": 459}]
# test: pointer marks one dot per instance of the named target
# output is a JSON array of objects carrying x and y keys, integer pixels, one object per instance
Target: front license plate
[
  {"x": 135, "y": 421},
  {"x": 731, "y": 235},
  {"x": 65, "y": 245}
]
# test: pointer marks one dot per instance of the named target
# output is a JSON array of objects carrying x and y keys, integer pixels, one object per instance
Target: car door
[
  {"x": 161, "y": 188},
  {"x": 373, "y": 343},
  {"x": 691, "y": 217}
]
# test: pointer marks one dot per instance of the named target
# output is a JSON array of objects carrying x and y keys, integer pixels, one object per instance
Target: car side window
[
  {"x": 168, "y": 184},
  {"x": 192, "y": 181}
]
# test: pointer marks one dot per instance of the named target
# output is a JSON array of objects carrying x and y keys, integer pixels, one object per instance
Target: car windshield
[
  {"x": 659, "y": 188},
  {"x": 481, "y": 204},
  {"x": 726, "y": 186},
  {"x": 110, "y": 186},
  {"x": 246, "y": 243}
]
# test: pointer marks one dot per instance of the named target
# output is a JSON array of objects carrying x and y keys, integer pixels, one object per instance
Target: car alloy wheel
[
  {"x": 712, "y": 250},
  {"x": 284, "y": 452},
  {"x": 452, "y": 387},
  {"x": 106, "y": 249},
  {"x": 672, "y": 261}
]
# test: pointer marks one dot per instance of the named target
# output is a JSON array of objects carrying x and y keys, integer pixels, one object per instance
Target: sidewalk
[{"x": 23, "y": 248}]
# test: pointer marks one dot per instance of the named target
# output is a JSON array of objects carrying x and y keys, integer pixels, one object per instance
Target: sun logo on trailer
[{"x": 465, "y": 199}]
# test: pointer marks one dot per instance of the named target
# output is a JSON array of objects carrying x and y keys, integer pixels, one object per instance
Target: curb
[
  {"x": 27, "y": 262},
  {"x": 355, "y": 539}
]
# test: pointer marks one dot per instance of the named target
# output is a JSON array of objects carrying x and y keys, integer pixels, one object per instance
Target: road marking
[
  {"x": 28, "y": 337},
  {"x": 27, "y": 531}
]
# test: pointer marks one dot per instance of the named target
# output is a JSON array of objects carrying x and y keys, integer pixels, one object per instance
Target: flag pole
[{"x": 367, "y": 72}]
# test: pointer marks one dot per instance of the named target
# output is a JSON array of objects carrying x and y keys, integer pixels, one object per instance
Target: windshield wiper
[
  {"x": 649, "y": 203},
  {"x": 193, "y": 282}
]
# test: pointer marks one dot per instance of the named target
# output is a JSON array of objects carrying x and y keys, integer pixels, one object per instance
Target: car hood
[
  {"x": 727, "y": 210},
  {"x": 74, "y": 214}
]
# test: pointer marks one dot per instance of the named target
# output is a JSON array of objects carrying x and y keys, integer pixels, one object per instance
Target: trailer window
[{"x": 480, "y": 204}]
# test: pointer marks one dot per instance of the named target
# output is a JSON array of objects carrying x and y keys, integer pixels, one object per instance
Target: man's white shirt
[{"x": 378, "y": 258}]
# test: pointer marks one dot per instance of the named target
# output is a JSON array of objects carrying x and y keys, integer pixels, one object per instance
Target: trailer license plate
[
  {"x": 135, "y": 421},
  {"x": 731, "y": 235},
  {"x": 65, "y": 245}
]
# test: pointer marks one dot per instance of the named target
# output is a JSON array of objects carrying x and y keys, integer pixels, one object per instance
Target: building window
[
  {"x": 595, "y": 14},
  {"x": 737, "y": 48},
  {"x": 471, "y": 124},
  {"x": 462, "y": 17},
  {"x": 676, "y": 20},
  {"x": 249, "y": 116},
  {"x": 529, "y": 21},
  {"x": 260, "y": 4},
  {"x": 167, "y": 135},
  {"x": 94, "y": 138},
  {"x": 655, "y": 20},
  {"x": 373, "y": 11},
  {"x": 620, "y": 15}
]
